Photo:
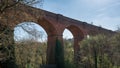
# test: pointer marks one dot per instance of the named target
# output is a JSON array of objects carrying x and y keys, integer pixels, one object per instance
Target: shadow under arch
[{"x": 78, "y": 35}]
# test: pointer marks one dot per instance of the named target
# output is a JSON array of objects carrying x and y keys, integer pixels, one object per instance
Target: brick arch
[
  {"x": 78, "y": 35},
  {"x": 76, "y": 31},
  {"x": 51, "y": 33},
  {"x": 48, "y": 27}
]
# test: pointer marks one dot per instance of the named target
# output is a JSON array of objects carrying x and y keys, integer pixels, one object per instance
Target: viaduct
[{"x": 53, "y": 24}]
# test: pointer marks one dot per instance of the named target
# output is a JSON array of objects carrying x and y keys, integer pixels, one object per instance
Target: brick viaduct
[{"x": 53, "y": 24}]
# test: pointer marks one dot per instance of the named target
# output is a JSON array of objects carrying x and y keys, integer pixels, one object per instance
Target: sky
[
  {"x": 29, "y": 31},
  {"x": 104, "y": 13}
]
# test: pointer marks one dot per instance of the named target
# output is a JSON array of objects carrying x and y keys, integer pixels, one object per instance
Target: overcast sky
[{"x": 105, "y": 13}]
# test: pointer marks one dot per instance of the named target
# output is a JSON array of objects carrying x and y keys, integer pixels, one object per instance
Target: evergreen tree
[{"x": 59, "y": 54}]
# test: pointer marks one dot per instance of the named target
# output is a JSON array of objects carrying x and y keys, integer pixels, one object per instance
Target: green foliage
[
  {"x": 69, "y": 53},
  {"x": 115, "y": 50},
  {"x": 30, "y": 54},
  {"x": 99, "y": 51},
  {"x": 69, "y": 64}
]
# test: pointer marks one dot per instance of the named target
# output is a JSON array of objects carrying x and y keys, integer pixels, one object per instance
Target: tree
[
  {"x": 69, "y": 53},
  {"x": 115, "y": 50},
  {"x": 95, "y": 51},
  {"x": 30, "y": 54},
  {"x": 100, "y": 51},
  {"x": 5, "y": 4},
  {"x": 118, "y": 29},
  {"x": 6, "y": 33},
  {"x": 59, "y": 54}
]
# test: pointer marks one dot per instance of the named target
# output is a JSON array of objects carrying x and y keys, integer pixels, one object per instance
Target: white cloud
[{"x": 107, "y": 22}]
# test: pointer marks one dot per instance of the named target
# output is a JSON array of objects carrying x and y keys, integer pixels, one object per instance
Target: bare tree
[
  {"x": 118, "y": 29},
  {"x": 5, "y": 4},
  {"x": 32, "y": 31}
]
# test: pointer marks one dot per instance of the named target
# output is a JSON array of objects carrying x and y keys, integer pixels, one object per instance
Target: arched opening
[
  {"x": 68, "y": 42},
  {"x": 29, "y": 31},
  {"x": 77, "y": 37},
  {"x": 30, "y": 44}
]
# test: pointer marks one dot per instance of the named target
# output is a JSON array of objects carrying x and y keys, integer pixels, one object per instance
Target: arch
[
  {"x": 78, "y": 35},
  {"x": 51, "y": 32},
  {"x": 33, "y": 34},
  {"x": 68, "y": 43},
  {"x": 48, "y": 26},
  {"x": 76, "y": 31}
]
